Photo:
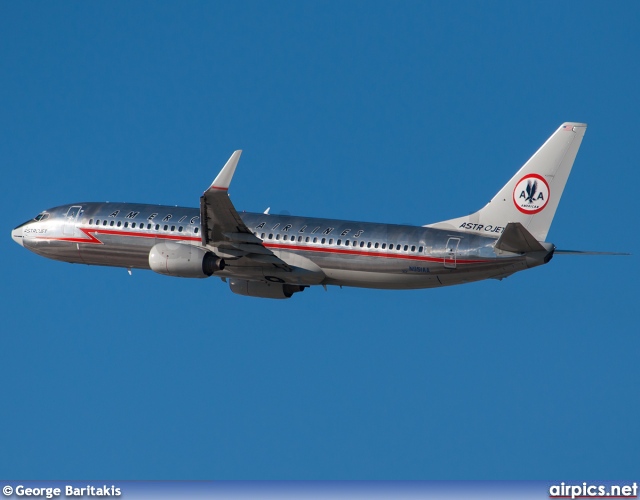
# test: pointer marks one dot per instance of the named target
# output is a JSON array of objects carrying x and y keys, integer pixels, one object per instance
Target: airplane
[{"x": 276, "y": 256}]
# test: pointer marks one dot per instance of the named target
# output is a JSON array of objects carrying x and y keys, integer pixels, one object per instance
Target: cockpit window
[{"x": 40, "y": 217}]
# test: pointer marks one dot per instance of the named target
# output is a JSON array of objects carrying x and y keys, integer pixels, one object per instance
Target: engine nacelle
[
  {"x": 183, "y": 261},
  {"x": 263, "y": 289}
]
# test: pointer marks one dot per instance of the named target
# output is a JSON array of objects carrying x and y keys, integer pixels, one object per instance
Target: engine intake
[{"x": 184, "y": 261}]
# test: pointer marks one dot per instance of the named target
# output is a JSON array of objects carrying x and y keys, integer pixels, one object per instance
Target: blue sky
[{"x": 410, "y": 112}]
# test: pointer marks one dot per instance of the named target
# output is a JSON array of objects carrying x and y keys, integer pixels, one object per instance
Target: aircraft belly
[
  {"x": 119, "y": 252},
  {"x": 371, "y": 272},
  {"x": 115, "y": 251},
  {"x": 53, "y": 249},
  {"x": 372, "y": 279}
]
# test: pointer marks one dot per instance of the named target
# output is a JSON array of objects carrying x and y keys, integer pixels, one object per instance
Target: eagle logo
[
  {"x": 531, "y": 191},
  {"x": 531, "y": 194}
]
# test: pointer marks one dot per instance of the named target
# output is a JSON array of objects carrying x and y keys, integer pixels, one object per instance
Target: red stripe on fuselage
[
  {"x": 93, "y": 240},
  {"x": 339, "y": 251}
]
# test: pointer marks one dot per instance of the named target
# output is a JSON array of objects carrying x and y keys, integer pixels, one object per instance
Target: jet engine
[
  {"x": 263, "y": 289},
  {"x": 184, "y": 261}
]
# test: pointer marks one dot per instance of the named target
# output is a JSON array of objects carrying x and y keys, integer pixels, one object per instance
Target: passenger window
[
  {"x": 126, "y": 224},
  {"x": 420, "y": 249},
  {"x": 330, "y": 241},
  {"x": 355, "y": 243},
  {"x": 90, "y": 221},
  {"x": 361, "y": 244},
  {"x": 195, "y": 231},
  {"x": 339, "y": 242},
  {"x": 376, "y": 245},
  {"x": 166, "y": 227},
  {"x": 397, "y": 247},
  {"x": 406, "y": 247},
  {"x": 413, "y": 248},
  {"x": 299, "y": 239},
  {"x": 323, "y": 240},
  {"x": 173, "y": 228},
  {"x": 369, "y": 245},
  {"x": 306, "y": 240},
  {"x": 104, "y": 223},
  {"x": 346, "y": 243},
  {"x": 285, "y": 237},
  {"x": 384, "y": 245},
  {"x": 278, "y": 236},
  {"x": 270, "y": 235},
  {"x": 111, "y": 223},
  {"x": 133, "y": 225},
  {"x": 180, "y": 229},
  {"x": 157, "y": 227},
  {"x": 97, "y": 222},
  {"x": 315, "y": 240},
  {"x": 262, "y": 237}
]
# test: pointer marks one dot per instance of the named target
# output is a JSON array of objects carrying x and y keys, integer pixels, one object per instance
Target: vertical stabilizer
[{"x": 531, "y": 197}]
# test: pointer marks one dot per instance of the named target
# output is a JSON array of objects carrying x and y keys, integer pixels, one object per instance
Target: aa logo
[{"x": 531, "y": 194}]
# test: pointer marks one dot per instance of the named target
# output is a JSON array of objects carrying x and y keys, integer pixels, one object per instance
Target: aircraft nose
[{"x": 16, "y": 234}]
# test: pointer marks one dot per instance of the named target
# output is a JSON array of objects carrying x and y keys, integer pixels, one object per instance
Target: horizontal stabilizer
[
  {"x": 516, "y": 239},
  {"x": 583, "y": 252}
]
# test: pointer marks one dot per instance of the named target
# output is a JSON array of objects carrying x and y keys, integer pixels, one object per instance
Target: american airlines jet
[{"x": 275, "y": 256}]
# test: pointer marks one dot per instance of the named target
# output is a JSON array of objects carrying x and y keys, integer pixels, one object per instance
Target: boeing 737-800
[{"x": 275, "y": 256}]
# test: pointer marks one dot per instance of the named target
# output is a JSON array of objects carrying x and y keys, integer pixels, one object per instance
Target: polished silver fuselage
[{"x": 349, "y": 253}]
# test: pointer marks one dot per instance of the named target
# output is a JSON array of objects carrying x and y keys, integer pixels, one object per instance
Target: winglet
[{"x": 222, "y": 181}]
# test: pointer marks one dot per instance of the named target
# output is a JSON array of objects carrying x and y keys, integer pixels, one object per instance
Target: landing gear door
[
  {"x": 70, "y": 222},
  {"x": 451, "y": 252}
]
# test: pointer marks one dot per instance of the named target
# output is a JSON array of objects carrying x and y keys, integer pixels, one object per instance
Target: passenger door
[
  {"x": 70, "y": 222},
  {"x": 451, "y": 251}
]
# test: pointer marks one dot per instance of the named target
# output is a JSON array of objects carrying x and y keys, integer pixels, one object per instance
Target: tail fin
[{"x": 531, "y": 197}]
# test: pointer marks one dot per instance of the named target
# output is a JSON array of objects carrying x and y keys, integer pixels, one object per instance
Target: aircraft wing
[
  {"x": 226, "y": 234},
  {"x": 222, "y": 228}
]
